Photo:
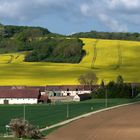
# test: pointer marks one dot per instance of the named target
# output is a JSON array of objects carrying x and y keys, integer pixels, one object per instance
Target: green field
[
  {"x": 108, "y": 59},
  {"x": 45, "y": 115},
  {"x": 2, "y": 138}
]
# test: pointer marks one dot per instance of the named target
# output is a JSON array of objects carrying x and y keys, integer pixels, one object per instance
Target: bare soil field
[{"x": 118, "y": 124}]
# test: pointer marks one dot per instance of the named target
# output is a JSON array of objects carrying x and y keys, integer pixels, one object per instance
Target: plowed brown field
[{"x": 118, "y": 124}]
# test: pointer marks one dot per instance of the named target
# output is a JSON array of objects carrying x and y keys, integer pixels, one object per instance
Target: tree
[
  {"x": 102, "y": 84},
  {"x": 56, "y": 50},
  {"x": 82, "y": 80},
  {"x": 23, "y": 129},
  {"x": 120, "y": 80},
  {"x": 1, "y": 30},
  {"x": 89, "y": 78}
]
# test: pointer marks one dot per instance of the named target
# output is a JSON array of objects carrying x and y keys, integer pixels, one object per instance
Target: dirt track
[{"x": 117, "y": 124}]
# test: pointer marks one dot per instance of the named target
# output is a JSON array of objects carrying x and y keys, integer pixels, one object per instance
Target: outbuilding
[
  {"x": 19, "y": 96},
  {"x": 81, "y": 97}
]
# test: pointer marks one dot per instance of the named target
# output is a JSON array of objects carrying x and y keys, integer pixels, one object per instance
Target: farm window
[{"x": 6, "y": 101}]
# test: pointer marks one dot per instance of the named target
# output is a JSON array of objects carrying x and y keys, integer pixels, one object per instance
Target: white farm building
[
  {"x": 69, "y": 90},
  {"x": 19, "y": 96}
]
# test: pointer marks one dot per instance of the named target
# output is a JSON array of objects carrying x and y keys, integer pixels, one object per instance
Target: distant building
[
  {"x": 81, "y": 97},
  {"x": 19, "y": 96},
  {"x": 70, "y": 90},
  {"x": 42, "y": 94}
]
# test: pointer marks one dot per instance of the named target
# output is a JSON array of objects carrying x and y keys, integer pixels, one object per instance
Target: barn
[
  {"x": 19, "y": 96},
  {"x": 70, "y": 90}
]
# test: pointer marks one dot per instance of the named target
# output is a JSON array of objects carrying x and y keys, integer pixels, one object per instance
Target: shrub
[{"x": 23, "y": 129}]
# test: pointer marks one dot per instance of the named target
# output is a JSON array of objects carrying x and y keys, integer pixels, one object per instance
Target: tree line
[
  {"x": 18, "y": 38},
  {"x": 108, "y": 35},
  {"x": 113, "y": 89},
  {"x": 116, "y": 89}
]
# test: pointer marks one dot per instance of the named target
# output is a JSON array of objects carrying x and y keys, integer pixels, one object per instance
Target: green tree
[
  {"x": 102, "y": 84},
  {"x": 2, "y": 30},
  {"x": 56, "y": 50},
  {"x": 120, "y": 80}
]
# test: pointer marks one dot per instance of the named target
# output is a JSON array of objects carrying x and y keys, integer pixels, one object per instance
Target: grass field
[
  {"x": 45, "y": 115},
  {"x": 108, "y": 59},
  {"x": 2, "y": 138}
]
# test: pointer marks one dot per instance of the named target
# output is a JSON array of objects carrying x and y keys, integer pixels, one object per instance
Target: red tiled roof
[
  {"x": 41, "y": 88},
  {"x": 52, "y": 87},
  {"x": 19, "y": 93},
  {"x": 71, "y": 87}
]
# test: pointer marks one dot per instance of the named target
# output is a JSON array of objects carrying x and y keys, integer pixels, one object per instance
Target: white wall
[
  {"x": 76, "y": 98},
  {"x": 73, "y": 93},
  {"x": 19, "y": 100}
]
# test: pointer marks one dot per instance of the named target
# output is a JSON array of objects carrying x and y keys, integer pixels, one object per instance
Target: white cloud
[
  {"x": 130, "y": 4},
  {"x": 28, "y": 9},
  {"x": 85, "y": 9},
  {"x": 114, "y": 14},
  {"x": 113, "y": 24},
  {"x": 117, "y": 15},
  {"x": 9, "y": 10}
]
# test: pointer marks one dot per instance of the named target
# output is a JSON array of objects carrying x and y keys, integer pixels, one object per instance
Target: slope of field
[{"x": 107, "y": 58}]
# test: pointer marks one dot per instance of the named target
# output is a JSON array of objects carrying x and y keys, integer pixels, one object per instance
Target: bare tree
[{"x": 89, "y": 78}]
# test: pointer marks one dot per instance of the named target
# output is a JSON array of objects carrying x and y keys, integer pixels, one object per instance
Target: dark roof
[
  {"x": 41, "y": 88},
  {"x": 53, "y": 88},
  {"x": 84, "y": 96},
  {"x": 19, "y": 93},
  {"x": 12, "y": 87},
  {"x": 71, "y": 87}
]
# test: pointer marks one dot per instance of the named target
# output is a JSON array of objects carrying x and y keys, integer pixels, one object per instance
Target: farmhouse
[
  {"x": 70, "y": 90},
  {"x": 19, "y": 96},
  {"x": 41, "y": 94}
]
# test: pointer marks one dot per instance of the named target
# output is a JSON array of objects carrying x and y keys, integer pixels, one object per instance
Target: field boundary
[
  {"x": 86, "y": 115},
  {"x": 95, "y": 54}
]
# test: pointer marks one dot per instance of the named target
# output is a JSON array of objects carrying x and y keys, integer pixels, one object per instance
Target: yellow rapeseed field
[{"x": 107, "y": 58}]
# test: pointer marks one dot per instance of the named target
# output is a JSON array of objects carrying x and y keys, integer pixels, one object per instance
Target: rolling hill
[{"x": 107, "y": 58}]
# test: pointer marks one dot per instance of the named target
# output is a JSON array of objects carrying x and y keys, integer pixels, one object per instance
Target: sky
[{"x": 71, "y": 16}]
